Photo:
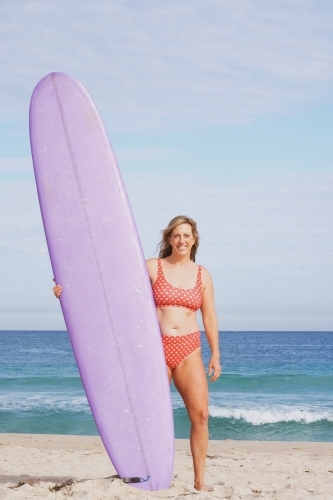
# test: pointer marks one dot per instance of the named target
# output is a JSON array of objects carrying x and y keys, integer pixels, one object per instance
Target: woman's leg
[{"x": 190, "y": 380}]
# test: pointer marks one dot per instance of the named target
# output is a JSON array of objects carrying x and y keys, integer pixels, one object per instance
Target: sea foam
[
  {"x": 43, "y": 402},
  {"x": 264, "y": 415}
]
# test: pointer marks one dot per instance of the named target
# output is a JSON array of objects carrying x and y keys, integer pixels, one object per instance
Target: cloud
[
  {"x": 273, "y": 216},
  {"x": 139, "y": 155},
  {"x": 267, "y": 242},
  {"x": 26, "y": 294},
  {"x": 152, "y": 65},
  {"x": 17, "y": 165}
]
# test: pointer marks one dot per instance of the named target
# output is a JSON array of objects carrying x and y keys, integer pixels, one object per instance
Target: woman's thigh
[
  {"x": 191, "y": 382},
  {"x": 169, "y": 372}
]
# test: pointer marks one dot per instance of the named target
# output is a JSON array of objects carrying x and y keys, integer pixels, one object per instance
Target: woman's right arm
[
  {"x": 152, "y": 270},
  {"x": 57, "y": 289}
]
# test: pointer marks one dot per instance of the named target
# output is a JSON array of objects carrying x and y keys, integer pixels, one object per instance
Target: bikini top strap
[
  {"x": 199, "y": 280},
  {"x": 160, "y": 273}
]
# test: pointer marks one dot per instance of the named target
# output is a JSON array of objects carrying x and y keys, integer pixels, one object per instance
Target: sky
[{"x": 218, "y": 109}]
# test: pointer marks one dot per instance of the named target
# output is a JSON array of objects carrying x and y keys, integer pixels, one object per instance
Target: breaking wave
[{"x": 263, "y": 416}]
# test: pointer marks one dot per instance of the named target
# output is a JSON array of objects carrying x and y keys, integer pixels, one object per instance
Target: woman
[{"x": 180, "y": 288}]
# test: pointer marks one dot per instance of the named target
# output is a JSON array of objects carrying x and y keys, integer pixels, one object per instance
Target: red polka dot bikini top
[{"x": 166, "y": 295}]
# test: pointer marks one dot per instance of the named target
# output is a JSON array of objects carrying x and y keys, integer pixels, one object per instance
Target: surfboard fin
[{"x": 135, "y": 479}]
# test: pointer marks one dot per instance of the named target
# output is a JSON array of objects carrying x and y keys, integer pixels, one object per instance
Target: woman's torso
[{"x": 178, "y": 295}]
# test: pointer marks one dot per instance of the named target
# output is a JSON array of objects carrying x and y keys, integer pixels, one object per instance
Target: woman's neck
[{"x": 179, "y": 260}]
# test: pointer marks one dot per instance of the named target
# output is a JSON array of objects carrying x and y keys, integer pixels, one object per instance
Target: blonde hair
[{"x": 164, "y": 245}]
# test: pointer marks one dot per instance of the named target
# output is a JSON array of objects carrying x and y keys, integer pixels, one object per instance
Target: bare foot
[{"x": 203, "y": 487}]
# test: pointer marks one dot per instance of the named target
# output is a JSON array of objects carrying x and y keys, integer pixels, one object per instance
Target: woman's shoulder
[
  {"x": 151, "y": 262},
  {"x": 203, "y": 268},
  {"x": 152, "y": 266},
  {"x": 205, "y": 274}
]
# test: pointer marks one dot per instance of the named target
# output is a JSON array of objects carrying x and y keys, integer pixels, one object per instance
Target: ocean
[{"x": 275, "y": 386}]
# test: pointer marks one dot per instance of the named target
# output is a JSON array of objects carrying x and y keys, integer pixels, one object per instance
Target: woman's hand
[
  {"x": 214, "y": 367},
  {"x": 57, "y": 289}
]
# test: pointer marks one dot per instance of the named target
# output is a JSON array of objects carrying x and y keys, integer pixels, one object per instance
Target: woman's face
[{"x": 182, "y": 239}]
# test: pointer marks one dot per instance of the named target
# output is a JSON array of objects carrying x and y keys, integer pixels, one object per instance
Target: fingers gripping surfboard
[{"x": 106, "y": 301}]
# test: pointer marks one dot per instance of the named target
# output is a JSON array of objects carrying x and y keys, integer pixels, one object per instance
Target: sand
[{"x": 31, "y": 465}]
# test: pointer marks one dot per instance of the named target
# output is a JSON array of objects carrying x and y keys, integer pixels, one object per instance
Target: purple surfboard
[{"x": 106, "y": 301}]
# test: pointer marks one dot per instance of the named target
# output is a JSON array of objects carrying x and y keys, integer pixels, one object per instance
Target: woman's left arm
[{"x": 210, "y": 324}]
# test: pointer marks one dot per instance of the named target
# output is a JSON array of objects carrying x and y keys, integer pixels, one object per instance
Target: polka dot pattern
[
  {"x": 167, "y": 295},
  {"x": 178, "y": 347}
]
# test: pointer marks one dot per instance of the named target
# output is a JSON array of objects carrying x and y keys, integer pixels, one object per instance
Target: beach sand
[{"x": 31, "y": 465}]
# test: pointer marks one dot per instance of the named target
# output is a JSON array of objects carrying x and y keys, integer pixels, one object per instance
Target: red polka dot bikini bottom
[{"x": 178, "y": 347}]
